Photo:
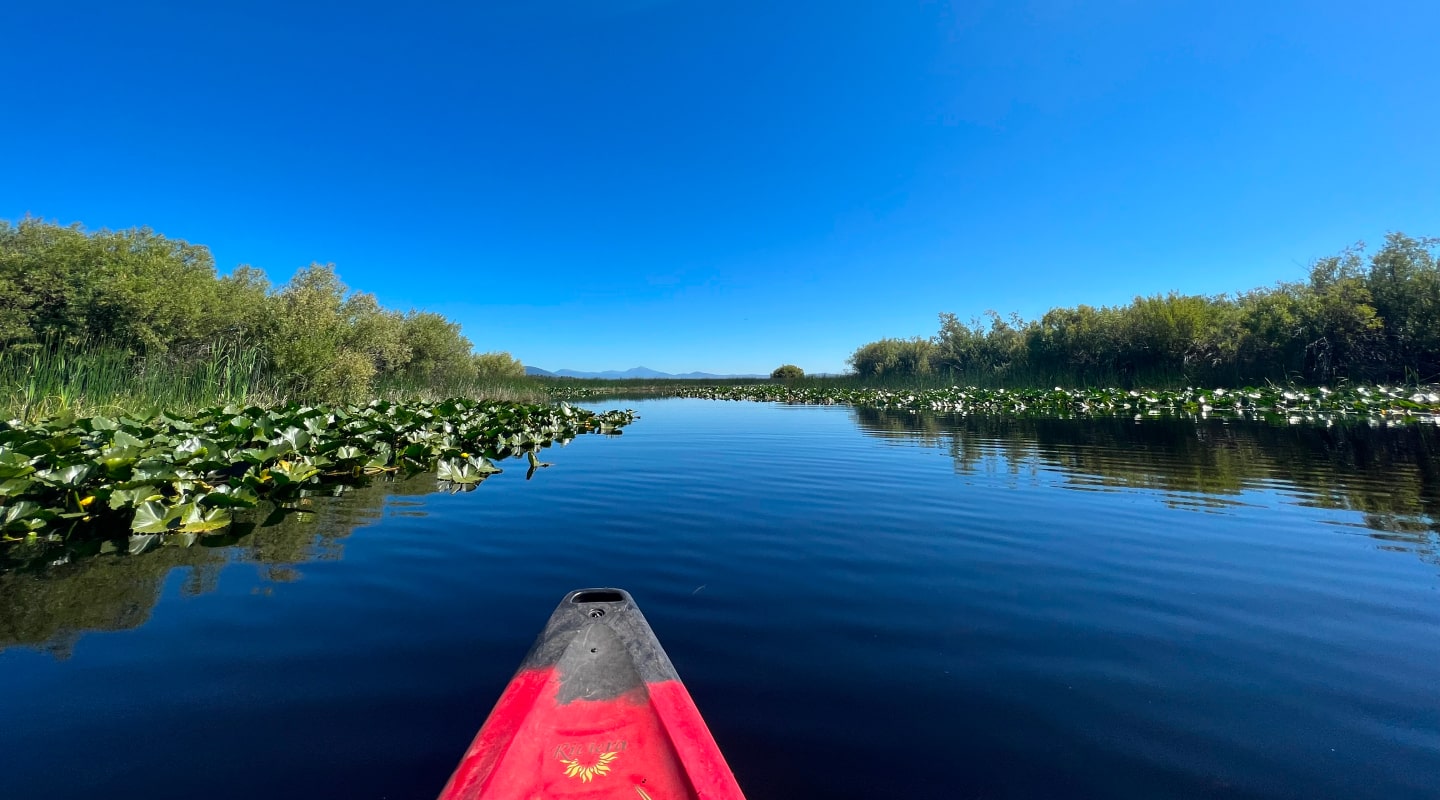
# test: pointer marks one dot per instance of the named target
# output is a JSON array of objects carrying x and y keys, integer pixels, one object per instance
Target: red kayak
[{"x": 595, "y": 711}]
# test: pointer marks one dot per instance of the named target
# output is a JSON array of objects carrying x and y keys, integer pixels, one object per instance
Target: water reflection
[
  {"x": 1389, "y": 476},
  {"x": 116, "y": 587},
  {"x": 1033, "y": 622}
]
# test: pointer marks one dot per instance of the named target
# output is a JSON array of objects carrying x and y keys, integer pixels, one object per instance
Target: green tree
[
  {"x": 376, "y": 333},
  {"x": 45, "y": 287},
  {"x": 1343, "y": 331},
  {"x": 440, "y": 356},
  {"x": 135, "y": 289},
  {"x": 159, "y": 301},
  {"x": 1080, "y": 341},
  {"x": 876, "y": 358},
  {"x": 310, "y": 341},
  {"x": 243, "y": 307},
  {"x": 1350, "y": 319},
  {"x": 1404, "y": 285},
  {"x": 787, "y": 372},
  {"x": 974, "y": 350},
  {"x": 898, "y": 357},
  {"x": 498, "y": 365}
]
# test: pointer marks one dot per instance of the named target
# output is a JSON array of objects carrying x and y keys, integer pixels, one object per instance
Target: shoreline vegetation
[
  {"x": 1357, "y": 318},
  {"x": 146, "y": 397},
  {"x": 133, "y": 321},
  {"x": 1283, "y": 404}
]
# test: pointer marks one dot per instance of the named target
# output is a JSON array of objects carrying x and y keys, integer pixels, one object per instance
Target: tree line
[
  {"x": 1356, "y": 317},
  {"x": 162, "y": 300}
]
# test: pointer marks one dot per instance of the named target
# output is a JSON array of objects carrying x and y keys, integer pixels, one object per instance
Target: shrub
[{"x": 498, "y": 365}]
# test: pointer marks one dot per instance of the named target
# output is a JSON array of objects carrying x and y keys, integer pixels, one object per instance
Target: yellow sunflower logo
[{"x": 588, "y": 772}]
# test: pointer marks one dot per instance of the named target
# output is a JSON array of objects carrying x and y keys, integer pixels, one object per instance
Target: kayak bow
[{"x": 595, "y": 711}]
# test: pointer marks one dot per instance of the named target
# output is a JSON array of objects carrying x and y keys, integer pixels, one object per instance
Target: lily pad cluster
[
  {"x": 67, "y": 478},
  {"x": 1294, "y": 404}
]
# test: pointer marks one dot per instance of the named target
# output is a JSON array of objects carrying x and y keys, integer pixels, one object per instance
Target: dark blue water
[{"x": 863, "y": 605}]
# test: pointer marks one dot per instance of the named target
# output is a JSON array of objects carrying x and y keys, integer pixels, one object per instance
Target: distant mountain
[{"x": 633, "y": 372}]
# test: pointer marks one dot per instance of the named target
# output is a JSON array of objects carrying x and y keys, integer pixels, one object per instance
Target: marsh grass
[
  {"x": 39, "y": 381},
  {"x": 506, "y": 389},
  {"x": 564, "y": 388},
  {"x": 1009, "y": 379},
  {"x": 42, "y": 380}
]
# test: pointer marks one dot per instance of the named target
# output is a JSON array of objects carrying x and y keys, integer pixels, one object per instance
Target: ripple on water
[{"x": 1007, "y": 608}]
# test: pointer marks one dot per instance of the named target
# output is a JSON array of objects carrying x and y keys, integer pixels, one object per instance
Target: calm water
[{"x": 863, "y": 605}]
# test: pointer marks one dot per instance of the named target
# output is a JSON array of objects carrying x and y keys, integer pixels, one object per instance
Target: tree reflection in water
[
  {"x": 107, "y": 588},
  {"x": 1390, "y": 476}
]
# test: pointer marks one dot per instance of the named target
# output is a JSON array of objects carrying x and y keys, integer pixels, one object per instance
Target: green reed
[
  {"x": 41, "y": 380},
  {"x": 79, "y": 378}
]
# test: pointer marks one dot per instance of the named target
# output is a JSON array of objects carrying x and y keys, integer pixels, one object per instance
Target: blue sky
[{"x": 727, "y": 186}]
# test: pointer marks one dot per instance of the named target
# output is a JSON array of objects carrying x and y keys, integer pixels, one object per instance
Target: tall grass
[
  {"x": 42, "y": 380},
  {"x": 509, "y": 389}
]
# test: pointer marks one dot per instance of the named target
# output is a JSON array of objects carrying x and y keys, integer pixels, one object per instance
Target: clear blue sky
[{"x": 727, "y": 186}]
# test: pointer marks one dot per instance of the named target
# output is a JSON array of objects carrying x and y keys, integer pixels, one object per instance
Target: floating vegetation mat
[
  {"x": 1295, "y": 405},
  {"x": 68, "y": 479}
]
